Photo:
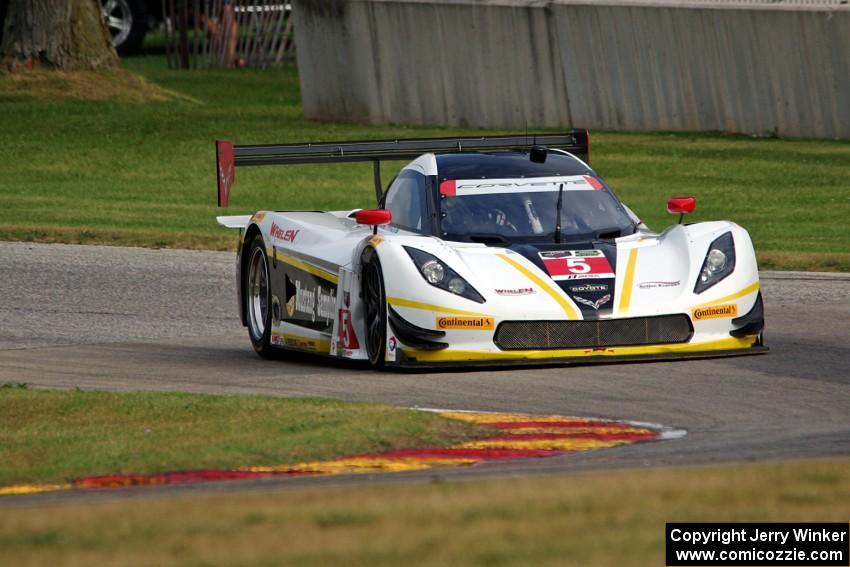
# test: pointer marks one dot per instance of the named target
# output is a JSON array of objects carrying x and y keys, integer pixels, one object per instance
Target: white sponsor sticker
[
  {"x": 461, "y": 187},
  {"x": 392, "y": 348}
]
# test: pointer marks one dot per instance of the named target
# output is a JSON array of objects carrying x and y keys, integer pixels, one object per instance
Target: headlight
[
  {"x": 719, "y": 262},
  {"x": 433, "y": 271},
  {"x": 440, "y": 275}
]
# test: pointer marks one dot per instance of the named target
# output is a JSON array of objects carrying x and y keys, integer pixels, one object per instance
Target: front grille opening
[{"x": 542, "y": 335}]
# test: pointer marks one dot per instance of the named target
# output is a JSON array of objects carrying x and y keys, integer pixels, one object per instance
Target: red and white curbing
[{"x": 519, "y": 436}]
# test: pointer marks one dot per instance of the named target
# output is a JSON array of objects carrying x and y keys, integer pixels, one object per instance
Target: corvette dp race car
[{"x": 487, "y": 250}]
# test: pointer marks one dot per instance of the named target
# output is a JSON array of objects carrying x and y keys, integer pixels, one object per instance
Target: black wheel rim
[{"x": 375, "y": 318}]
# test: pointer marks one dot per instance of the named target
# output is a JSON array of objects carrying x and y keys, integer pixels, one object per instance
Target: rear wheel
[
  {"x": 257, "y": 296},
  {"x": 375, "y": 304}
]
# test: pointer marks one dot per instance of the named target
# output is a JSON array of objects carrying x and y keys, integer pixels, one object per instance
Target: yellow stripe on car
[
  {"x": 628, "y": 282},
  {"x": 399, "y": 302},
  {"x": 569, "y": 310},
  {"x": 737, "y": 295},
  {"x": 302, "y": 265},
  {"x": 303, "y": 343},
  {"x": 731, "y": 343}
]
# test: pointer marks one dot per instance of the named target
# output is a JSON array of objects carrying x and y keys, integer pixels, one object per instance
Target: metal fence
[
  {"x": 228, "y": 33},
  {"x": 754, "y": 67}
]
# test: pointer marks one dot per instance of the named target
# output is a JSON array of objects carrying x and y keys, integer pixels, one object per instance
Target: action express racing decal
[
  {"x": 462, "y": 187},
  {"x": 577, "y": 264},
  {"x": 514, "y": 436},
  {"x": 715, "y": 312}
]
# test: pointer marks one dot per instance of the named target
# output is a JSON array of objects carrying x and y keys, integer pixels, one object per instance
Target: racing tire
[
  {"x": 375, "y": 307},
  {"x": 257, "y": 298}
]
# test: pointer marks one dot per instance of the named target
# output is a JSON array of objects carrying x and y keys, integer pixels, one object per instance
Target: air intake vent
[{"x": 539, "y": 335}]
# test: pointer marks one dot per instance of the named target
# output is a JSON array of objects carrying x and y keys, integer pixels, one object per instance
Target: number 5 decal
[{"x": 577, "y": 266}]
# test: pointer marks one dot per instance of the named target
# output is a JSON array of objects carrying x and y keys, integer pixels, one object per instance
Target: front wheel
[
  {"x": 257, "y": 297},
  {"x": 375, "y": 304}
]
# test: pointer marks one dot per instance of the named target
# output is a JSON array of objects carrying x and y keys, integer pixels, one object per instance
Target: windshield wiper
[
  {"x": 487, "y": 238},
  {"x": 558, "y": 214}
]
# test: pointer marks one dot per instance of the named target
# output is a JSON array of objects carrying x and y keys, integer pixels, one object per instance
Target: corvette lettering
[
  {"x": 589, "y": 288},
  {"x": 466, "y": 323},
  {"x": 288, "y": 235},
  {"x": 461, "y": 187},
  {"x": 715, "y": 312}
]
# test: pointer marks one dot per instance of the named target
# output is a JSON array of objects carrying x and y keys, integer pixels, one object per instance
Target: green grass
[
  {"x": 60, "y": 435},
  {"x": 143, "y": 173},
  {"x": 600, "y": 518}
]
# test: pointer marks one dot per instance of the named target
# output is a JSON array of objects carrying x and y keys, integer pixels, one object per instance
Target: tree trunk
[{"x": 60, "y": 34}]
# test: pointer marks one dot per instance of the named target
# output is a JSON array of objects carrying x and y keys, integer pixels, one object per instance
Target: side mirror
[
  {"x": 681, "y": 205},
  {"x": 373, "y": 217}
]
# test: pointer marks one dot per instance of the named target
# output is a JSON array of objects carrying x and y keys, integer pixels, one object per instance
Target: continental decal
[
  {"x": 376, "y": 240},
  {"x": 258, "y": 217},
  {"x": 716, "y": 312},
  {"x": 466, "y": 323}
]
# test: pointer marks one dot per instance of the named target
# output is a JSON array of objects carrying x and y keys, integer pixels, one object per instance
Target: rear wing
[{"x": 229, "y": 156}]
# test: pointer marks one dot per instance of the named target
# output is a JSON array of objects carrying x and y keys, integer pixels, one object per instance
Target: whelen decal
[
  {"x": 463, "y": 187},
  {"x": 577, "y": 264},
  {"x": 466, "y": 323},
  {"x": 715, "y": 312},
  {"x": 288, "y": 235},
  {"x": 557, "y": 295},
  {"x": 516, "y": 291}
]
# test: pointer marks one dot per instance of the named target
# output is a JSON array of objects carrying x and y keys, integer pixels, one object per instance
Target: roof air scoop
[{"x": 538, "y": 154}]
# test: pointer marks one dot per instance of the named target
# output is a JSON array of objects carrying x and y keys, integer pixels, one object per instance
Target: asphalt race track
[{"x": 138, "y": 319}]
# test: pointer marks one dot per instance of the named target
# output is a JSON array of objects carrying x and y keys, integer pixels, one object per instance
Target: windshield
[{"x": 524, "y": 210}]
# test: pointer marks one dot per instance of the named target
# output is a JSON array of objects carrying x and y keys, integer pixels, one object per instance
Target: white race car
[{"x": 504, "y": 249}]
